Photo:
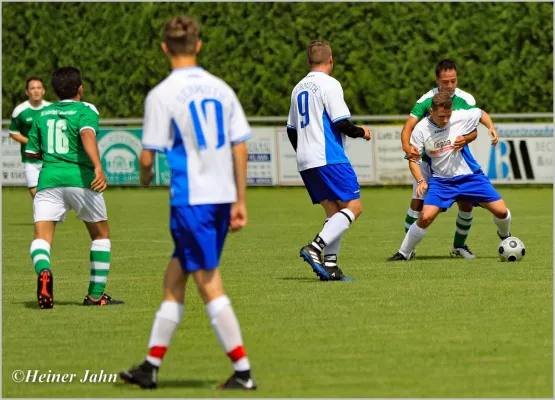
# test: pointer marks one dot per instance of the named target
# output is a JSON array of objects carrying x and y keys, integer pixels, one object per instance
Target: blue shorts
[
  {"x": 475, "y": 188},
  {"x": 199, "y": 234},
  {"x": 331, "y": 182}
]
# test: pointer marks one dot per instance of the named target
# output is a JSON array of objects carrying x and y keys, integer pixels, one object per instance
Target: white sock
[
  {"x": 336, "y": 226},
  {"x": 503, "y": 225},
  {"x": 412, "y": 238},
  {"x": 225, "y": 325},
  {"x": 333, "y": 247},
  {"x": 165, "y": 324}
]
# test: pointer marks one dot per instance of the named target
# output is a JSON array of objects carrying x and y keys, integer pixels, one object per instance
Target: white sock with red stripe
[
  {"x": 225, "y": 324},
  {"x": 165, "y": 324}
]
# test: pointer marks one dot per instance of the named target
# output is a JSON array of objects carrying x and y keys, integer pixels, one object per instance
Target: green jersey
[
  {"x": 461, "y": 101},
  {"x": 22, "y": 121},
  {"x": 56, "y": 134}
]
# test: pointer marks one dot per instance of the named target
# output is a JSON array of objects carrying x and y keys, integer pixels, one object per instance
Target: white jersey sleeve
[
  {"x": 334, "y": 102},
  {"x": 292, "y": 120},
  {"x": 156, "y": 125},
  {"x": 239, "y": 129},
  {"x": 471, "y": 120}
]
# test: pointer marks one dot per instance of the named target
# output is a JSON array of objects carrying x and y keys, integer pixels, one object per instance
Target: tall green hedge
[{"x": 385, "y": 53}]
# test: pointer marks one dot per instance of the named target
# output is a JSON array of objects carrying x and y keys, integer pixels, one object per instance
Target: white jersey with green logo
[
  {"x": 461, "y": 101},
  {"x": 22, "y": 121},
  {"x": 56, "y": 135}
]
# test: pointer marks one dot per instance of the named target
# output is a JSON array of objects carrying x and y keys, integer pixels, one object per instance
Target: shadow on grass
[
  {"x": 176, "y": 383},
  {"x": 301, "y": 279},
  {"x": 21, "y": 224},
  {"x": 34, "y": 304},
  {"x": 419, "y": 257}
]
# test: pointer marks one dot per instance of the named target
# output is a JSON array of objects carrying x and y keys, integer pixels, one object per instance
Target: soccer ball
[{"x": 511, "y": 249}]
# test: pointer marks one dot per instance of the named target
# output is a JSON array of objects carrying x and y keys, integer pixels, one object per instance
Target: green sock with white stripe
[
  {"x": 464, "y": 222},
  {"x": 40, "y": 254},
  {"x": 411, "y": 218},
  {"x": 100, "y": 267}
]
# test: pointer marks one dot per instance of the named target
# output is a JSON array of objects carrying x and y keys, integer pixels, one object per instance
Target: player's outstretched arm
[
  {"x": 239, "y": 209},
  {"x": 88, "y": 138},
  {"x": 410, "y": 150},
  {"x": 146, "y": 160},
  {"x": 488, "y": 123},
  {"x": 348, "y": 129}
]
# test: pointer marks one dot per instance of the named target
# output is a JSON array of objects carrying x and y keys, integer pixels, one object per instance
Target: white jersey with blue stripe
[
  {"x": 196, "y": 118},
  {"x": 437, "y": 143},
  {"x": 316, "y": 104}
]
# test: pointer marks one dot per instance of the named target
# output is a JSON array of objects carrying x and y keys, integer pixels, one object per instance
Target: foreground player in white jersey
[
  {"x": 317, "y": 124},
  {"x": 455, "y": 173},
  {"x": 446, "y": 78},
  {"x": 197, "y": 120}
]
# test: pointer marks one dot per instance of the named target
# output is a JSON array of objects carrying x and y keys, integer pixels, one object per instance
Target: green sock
[
  {"x": 411, "y": 218},
  {"x": 40, "y": 254},
  {"x": 100, "y": 267},
  {"x": 464, "y": 222}
]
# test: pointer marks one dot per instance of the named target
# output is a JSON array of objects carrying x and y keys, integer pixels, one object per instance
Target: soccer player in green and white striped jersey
[
  {"x": 446, "y": 78},
  {"x": 63, "y": 135},
  {"x": 21, "y": 123}
]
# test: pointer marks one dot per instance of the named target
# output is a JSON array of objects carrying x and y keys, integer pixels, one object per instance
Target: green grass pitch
[{"x": 431, "y": 327}]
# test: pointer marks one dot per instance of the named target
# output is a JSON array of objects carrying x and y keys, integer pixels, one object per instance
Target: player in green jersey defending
[
  {"x": 64, "y": 136},
  {"x": 446, "y": 78},
  {"x": 22, "y": 121}
]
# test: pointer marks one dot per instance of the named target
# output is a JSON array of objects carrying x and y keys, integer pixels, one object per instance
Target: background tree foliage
[{"x": 385, "y": 53}]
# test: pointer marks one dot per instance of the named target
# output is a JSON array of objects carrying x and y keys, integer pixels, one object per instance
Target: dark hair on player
[
  {"x": 33, "y": 78},
  {"x": 444, "y": 65},
  {"x": 66, "y": 82}
]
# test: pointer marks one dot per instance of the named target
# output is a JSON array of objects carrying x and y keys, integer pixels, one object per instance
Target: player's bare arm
[
  {"x": 18, "y": 137},
  {"x": 488, "y": 123},
  {"x": 146, "y": 160},
  {"x": 463, "y": 140},
  {"x": 410, "y": 150},
  {"x": 417, "y": 174},
  {"x": 88, "y": 138},
  {"x": 239, "y": 208}
]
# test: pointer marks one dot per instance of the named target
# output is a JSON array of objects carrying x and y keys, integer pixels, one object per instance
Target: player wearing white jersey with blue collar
[
  {"x": 317, "y": 124},
  {"x": 198, "y": 121},
  {"x": 455, "y": 173}
]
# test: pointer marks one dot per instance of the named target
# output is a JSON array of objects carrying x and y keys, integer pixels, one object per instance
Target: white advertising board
[
  {"x": 262, "y": 157},
  {"x": 12, "y": 167}
]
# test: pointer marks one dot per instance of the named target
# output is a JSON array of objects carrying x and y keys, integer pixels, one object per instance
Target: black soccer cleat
[
  {"x": 234, "y": 382},
  {"x": 145, "y": 375},
  {"x": 104, "y": 300},
  {"x": 334, "y": 273},
  {"x": 397, "y": 257},
  {"x": 313, "y": 256},
  {"x": 503, "y": 237},
  {"x": 45, "y": 289}
]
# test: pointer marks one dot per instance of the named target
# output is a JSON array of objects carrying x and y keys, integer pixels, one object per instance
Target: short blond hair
[
  {"x": 319, "y": 52},
  {"x": 181, "y": 35}
]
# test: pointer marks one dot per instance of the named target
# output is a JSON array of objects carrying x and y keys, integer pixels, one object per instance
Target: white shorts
[
  {"x": 427, "y": 174},
  {"x": 53, "y": 204},
  {"x": 32, "y": 171}
]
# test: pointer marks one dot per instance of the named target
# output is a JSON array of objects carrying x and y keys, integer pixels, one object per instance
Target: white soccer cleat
[{"x": 463, "y": 252}]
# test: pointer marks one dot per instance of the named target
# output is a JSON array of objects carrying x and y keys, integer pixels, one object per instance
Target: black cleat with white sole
[
  {"x": 145, "y": 375},
  {"x": 397, "y": 257},
  {"x": 235, "y": 382}
]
